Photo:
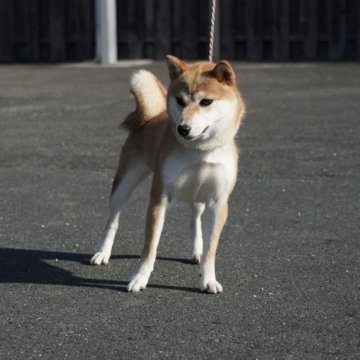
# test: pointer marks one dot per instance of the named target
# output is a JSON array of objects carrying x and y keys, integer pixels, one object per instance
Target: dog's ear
[
  {"x": 176, "y": 66},
  {"x": 224, "y": 73}
]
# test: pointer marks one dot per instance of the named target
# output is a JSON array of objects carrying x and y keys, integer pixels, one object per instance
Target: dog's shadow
[{"x": 24, "y": 266}]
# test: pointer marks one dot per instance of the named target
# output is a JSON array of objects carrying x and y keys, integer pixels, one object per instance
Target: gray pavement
[{"x": 289, "y": 257}]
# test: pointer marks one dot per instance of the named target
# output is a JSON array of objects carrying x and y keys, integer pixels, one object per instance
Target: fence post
[{"x": 106, "y": 37}]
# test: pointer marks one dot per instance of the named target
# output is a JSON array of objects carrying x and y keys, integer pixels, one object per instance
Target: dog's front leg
[
  {"x": 154, "y": 225},
  {"x": 214, "y": 218},
  {"x": 196, "y": 230}
]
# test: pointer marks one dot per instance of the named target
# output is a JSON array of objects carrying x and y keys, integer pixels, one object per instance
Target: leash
[{"x": 212, "y": 30}]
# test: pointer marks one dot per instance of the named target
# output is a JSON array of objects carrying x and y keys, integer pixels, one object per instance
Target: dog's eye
[
  {"x": 180, "y": 101},
  {"x": 206, "y": 102}
]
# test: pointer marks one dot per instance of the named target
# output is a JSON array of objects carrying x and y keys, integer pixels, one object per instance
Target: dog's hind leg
[
  {"x": 196, "y": 230},
  {"x": 128, "y": 176}
]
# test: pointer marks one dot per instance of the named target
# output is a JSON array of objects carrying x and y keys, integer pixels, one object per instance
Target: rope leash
[{"x": 212, "y": 30}]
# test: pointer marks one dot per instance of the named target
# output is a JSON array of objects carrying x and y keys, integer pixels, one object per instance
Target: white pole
[{"x": 106, "y": 38}]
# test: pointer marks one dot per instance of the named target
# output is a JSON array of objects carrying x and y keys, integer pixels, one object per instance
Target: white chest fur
[{"x": 205, "y": 177}]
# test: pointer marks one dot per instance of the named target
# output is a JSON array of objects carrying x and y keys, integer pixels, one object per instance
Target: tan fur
[
  {"x": 199, "y": 168},
  {"x": 147, "y": 107}
]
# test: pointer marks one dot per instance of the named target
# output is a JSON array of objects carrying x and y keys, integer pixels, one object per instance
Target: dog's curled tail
[{"x": 150, "y": 99}]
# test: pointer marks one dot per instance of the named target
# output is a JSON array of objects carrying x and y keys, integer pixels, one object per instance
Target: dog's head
[{"x": 204, "y": 103}]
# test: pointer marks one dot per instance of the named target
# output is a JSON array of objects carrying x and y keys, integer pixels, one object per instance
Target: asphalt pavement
[{"x": 289, "y": 256}]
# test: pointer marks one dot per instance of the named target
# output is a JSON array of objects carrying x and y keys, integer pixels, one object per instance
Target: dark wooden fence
[
  {"x": 291, "y": 29},
  {"x": 46, "y": 30},
  {"x": 154, "y": 28},
  {"x": 64, "y": 30}
]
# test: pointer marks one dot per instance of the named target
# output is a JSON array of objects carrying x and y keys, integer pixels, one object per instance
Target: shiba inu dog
[{"x": 185, "y": 137}]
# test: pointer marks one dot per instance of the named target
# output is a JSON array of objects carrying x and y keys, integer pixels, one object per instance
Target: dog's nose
[{"x": 184, "y": 130}]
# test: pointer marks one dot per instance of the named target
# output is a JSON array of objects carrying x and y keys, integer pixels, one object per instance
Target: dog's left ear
[
  {"x": 176, "y": 66},
  {"x": 224, "y": 73}
]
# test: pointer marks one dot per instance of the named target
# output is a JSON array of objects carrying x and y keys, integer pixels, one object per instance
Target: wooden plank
[
  {"x": 162, "y": 29},
  {"x": 203, "y": 16},
  {"x": 149, "y": 30},
  {"x": 87, "y": 24},
  {"x": 267, "y": 19},
  {"x": 351, "y": 20},
  {"x": 203, "y": 13},
  {"x": 26, "y": 31},
  {"x": 121, "y": 16},
  {"x": 80, "y": 31},
  {"x": 227, "y": 41},
  {"x": 7, "y": 31},
  {"x": 358, "y": 30},
  {"x": 309, "y": 11},
  {"x": 20, "y": 31},
  {"x": 78, "y": 36},
  {"x": 33, "y": 30},
  {"x": 189, "y": 39},
  {"x": 295, "y": 20},
  {"x": 284, "y": 21},
  {"x": 280, "y": 29},
  {"x": 176, "y": 27},
  {"x": 239, "y": 23},
  {"x": 57, "y": 31},
  {"x": 323, "y": 30},
  {"x": 134, "y": 41},
  {"x": 350, "y": 23},
  {"x": 338, "y": 30},
  {"x": 322, "y": 19},
  {"x": 276, "y": 31},
  {"x": 296, "y": 30},
  {"x": 267, "y": 25},
  {"x": 253, "y": 20},
  {"x": 70, "y": 29},
  {"x": 44, "y": 35}
]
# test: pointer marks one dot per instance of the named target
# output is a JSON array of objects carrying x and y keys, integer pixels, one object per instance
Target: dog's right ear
[
  {"x": 176, "y": 66},
  {"x": 224, "y": 73}
]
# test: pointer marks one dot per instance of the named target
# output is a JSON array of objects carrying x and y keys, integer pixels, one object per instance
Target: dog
[{"x": 185, "y": 138}]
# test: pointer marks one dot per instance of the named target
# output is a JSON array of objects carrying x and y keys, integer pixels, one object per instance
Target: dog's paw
[
  {"x": 101, "y": 257},
  {"x": 137, "y": 283},
  {"x": 211, "y": 286},
  {"x": 196, "y": 259}
]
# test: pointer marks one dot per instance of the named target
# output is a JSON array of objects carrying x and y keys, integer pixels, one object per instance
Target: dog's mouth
[{"x": 189, "y": 137}]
